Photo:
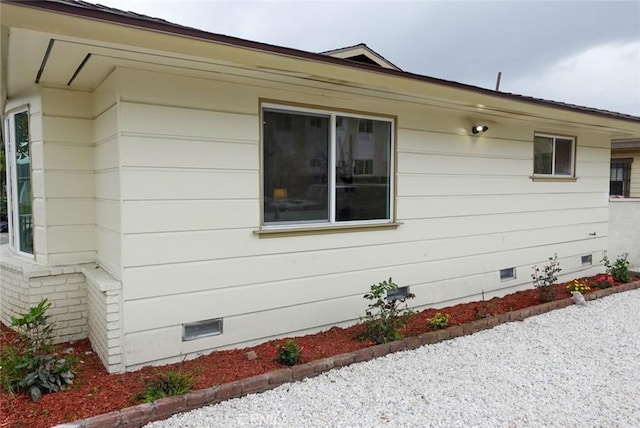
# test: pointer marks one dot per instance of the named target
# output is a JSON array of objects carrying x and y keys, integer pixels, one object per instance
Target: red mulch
[{"x": 95, "y": 392}]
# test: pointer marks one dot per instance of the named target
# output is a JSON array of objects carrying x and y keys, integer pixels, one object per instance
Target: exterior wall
[
  {"x": 107, "y": 172},
  {"x": 25, "y": 284},
  {"x": 191, "y": 201},
  {"x": 66, "y": 209},
  {"x": 634, "y": 186},
  {"x": 624, "y": 230},
  {"x": 76, "y": 219}
]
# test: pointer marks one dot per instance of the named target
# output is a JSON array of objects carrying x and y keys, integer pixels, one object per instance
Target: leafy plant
[
  {"x": 31, "y": 364},
  {"x": 619, "y": 270},
  {"x": 385, "y": 317},
  {"x": 485, "y": 309},
  {"x": 165, "y": 384},
  {"x": 287, "y": 353},
  {"x": 545, "y": 279},
  {"x": 439, "y": 320},
  {"x": 579, "y": 286}
]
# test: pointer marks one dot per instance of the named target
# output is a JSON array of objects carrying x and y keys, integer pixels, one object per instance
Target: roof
[
  {"x": 362, "y": 53},
  {"x": 625, "y": 144},
  {"x": 107, "y": 14}
]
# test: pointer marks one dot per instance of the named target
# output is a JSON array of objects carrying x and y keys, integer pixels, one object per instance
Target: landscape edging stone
[{"x": 140, "y": 415}]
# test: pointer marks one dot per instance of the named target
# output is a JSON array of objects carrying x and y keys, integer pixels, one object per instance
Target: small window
[
  {"x": 365, "y": 126},
  {"x": 397, "y": 294},
  {"x": 198, "y": 329},
  {"x": 587, "y": 260},
  {"x": 553, "y": 156},
  {"x": 363, "y": 167},
  {"x": 620, "y": 178},
  {"x": 507, "y": 274}
]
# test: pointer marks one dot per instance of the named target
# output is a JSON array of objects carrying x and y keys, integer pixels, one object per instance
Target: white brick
[
  {"x": 68, "y": 287},
  {"x": 76, "y": 279},
  {"x": 77, "y": 322},
  {"x": 67, "y": 302},
  {"x": 77, "y": 293},
  {"x": 69, "y": 316},
  {"x": 55, "y": 280}
]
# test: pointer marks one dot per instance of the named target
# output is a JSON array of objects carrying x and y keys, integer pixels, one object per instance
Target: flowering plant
[
  {"x": 287, "y": 353},
  {"x": 578, "y": 286},
  {"x": 604, "y": 281}
]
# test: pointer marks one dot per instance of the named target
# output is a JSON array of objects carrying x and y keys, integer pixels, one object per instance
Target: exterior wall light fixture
[{"x": 477, "y": 129}]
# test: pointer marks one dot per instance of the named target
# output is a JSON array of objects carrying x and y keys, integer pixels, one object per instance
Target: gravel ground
[{"x": 573, "y": 367}]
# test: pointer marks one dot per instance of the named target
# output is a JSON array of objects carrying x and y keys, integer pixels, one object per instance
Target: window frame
[
  {"x": 332, "y": 223},
  {"x": 553, "y": 174},
  {"x": 12, "y": 179}
]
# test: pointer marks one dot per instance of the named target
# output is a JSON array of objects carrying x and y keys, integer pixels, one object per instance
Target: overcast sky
[{"x": 581, "y": 52}]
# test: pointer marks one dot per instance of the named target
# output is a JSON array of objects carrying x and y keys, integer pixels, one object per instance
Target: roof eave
[{"x": 140, "y": 21}]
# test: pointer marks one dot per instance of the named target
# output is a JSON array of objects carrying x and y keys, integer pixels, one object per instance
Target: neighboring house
[
  {"x": 625, "y": 176},
  {"x": 175, "y": 191}
]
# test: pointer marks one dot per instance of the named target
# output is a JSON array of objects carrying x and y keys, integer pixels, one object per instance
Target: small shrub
[
  {"x": 439, "y": 321},
  {"x": 385, "y": 318},
  {"x": 619, "y": 270},
  {"x": 545, "y": 279},
  {"x": 287, "y": 353},
  {"x": 165, "y": 384},
  {"x": 578, "y": 286},
  {"x": 30, "y": 364}
]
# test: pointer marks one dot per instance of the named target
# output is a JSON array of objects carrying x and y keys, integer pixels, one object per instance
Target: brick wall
[
  {"x": 105, "y": 333},
  {"x": 24, "y": 284}
]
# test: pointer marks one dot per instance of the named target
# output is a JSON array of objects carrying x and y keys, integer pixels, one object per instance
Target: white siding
[
  {"x": 66, "y": 161},
  {"x": 191, "y": 201},
  {"x": 107, "y": 176}
]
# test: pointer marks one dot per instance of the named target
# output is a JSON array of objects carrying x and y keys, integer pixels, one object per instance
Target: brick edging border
[{"x": 137, "y": 416}]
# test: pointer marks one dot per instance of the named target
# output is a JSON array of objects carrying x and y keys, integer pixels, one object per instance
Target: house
[{"x": 174, "y": 191}]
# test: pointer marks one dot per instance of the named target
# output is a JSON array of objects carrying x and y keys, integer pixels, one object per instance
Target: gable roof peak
[{"x": 363, "y": 54}]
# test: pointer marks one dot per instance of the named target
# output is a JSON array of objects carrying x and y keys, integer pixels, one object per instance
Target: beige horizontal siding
[
  {"x": 160, "y": 216},
  {"x": 106, "y": 135},
  {"x": 190, "y": 178}
]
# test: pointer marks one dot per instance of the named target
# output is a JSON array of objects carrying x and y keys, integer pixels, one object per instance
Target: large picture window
[
  {"x": 325, "y": 167},
  {"x": 553, "y": 155},
  {"x": 19, "y": 185}
]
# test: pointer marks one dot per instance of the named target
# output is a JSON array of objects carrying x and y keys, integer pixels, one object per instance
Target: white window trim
[
  {"x": 553, "y": 157},
  {"x": 12, "y": 186},
  {"x": 331, "y": 182}
]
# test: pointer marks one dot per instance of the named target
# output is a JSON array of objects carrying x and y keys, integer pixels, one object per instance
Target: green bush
[
  {"x": 30, "y": 364},
  {"x": 385, "y": 317},
  {"x": 545, "y": 279},
  {"x": 165, "y": 384},
  {"x": 619, "y": 270},
  {"x": 439, "y": 321},
  {"x": 288, "y": 353}
]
